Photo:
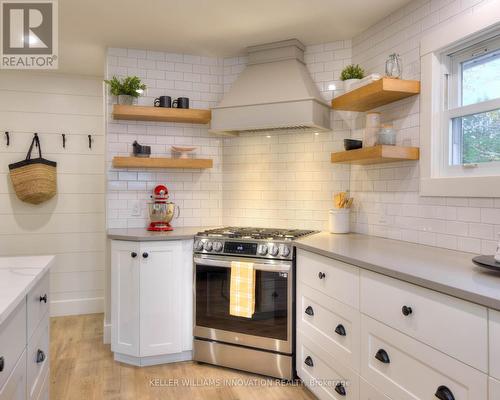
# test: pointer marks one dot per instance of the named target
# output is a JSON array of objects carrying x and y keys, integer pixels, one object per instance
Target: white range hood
[{"x": 275, "y": 91}]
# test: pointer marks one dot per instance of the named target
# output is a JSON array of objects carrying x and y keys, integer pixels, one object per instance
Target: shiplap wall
[{"x": 72, "y": 224}]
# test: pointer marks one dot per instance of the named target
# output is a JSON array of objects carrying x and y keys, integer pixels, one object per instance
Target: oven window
[{"x": 271, "y": 298}]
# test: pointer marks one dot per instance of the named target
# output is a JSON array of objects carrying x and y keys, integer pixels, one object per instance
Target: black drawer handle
[
  {"x": 340, "y": 389},
  {"x": 2, "y": 364},
  {"x": 309, "y": 311},
  {"x": 309, "y": 361},
  {"x": 321, "y": 275},
  {"x": 133, "y": 254},
  {"x": 43, "y": 298},
  {"x": 340, "y": 330},
  {"x": 145, "y": 255},
  {"x": 382, "y": 356},
  {"x": 406, "y": 310},
  {"x": 40, "y": 356},
  {"x": 443, "y": 393}
]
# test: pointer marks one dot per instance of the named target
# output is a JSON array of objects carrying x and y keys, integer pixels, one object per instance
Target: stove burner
[{"x": 256, "y": 233}]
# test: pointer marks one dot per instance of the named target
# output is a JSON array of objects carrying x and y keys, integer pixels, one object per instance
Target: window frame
[
  {"x": 436, "y": 176},
  {"x": 453, "y": 108}
]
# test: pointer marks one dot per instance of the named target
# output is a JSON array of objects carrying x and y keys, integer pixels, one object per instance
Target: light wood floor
[{"x": 82, "y": 368}]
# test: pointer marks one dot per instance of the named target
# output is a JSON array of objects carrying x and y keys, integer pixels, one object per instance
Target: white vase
[{"x": 348, "y": 83}]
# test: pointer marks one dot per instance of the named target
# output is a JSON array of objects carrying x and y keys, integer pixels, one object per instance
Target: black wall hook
[
  {"x": 7, "y": 137},
  {"x": 36, "y": 141},
  {"x": 90, "y": 141},
  {"x": 64, "y": 140}
]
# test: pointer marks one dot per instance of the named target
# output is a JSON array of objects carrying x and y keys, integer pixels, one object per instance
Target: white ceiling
[{"x": 204, "y": 27}]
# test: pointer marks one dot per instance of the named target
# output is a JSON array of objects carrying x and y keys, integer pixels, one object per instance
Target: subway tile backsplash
[{"x": 286, "y": 179}]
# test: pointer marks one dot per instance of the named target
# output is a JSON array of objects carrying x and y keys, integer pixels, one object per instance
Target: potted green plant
[
  {"x": 126, "y": 89},
  {"x": 350, "y": 74}
]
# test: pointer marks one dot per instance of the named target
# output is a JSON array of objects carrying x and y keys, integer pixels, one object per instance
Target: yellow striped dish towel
[{"x": 242, "y": 289}]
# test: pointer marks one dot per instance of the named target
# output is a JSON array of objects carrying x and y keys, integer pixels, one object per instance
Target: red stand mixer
[{"x": 161, "y": 211}]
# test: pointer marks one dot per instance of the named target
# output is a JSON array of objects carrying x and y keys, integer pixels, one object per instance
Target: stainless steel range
[{"x": 263, "y": 344}]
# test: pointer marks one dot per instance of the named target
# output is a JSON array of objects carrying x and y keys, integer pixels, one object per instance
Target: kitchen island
[{"x": 24, "y": 327}]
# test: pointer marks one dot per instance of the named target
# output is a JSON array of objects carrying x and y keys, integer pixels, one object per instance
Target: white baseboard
[
  {"x": 76, "y": 306},
  {"x": 106, "y": 333},
  {"x": 153, "y": 360}
]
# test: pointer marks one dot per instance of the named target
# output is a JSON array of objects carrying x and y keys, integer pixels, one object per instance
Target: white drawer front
[
  {"x": 415, "y": 371},
  {"x": 368, "y": 392},
  {"x": 494, "y": 389},
  {"x": 15, "y": 387},
  {"x": 494, "y": 344},
  {"x": 44, "y": 391},
  {"x": 322, "y": 377},
  {"x": 454, "y": 326},
  {"x": 12, "y": 340},
  {"x": 334, "y": 278},
  {"x": 334, "y": 326},
  {"x": 38, "y": 358},
  {"x": 38, "y": 303}
]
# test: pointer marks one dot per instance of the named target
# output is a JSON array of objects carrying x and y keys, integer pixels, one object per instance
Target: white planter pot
[
  {"x": 126, "y": 99},
  {"x": 348, "y": 83}
]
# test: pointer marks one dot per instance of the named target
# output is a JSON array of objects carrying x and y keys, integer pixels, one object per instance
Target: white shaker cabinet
[
  {"x": 494, "y": 335},
  {"x": 151, "y": 288}
]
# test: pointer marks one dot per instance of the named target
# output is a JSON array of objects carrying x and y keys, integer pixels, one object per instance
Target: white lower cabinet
[
  {"x": 436, "y": 347},
  {"x": 323, "y": 375},
  {"x": 24, "y": 347},
  {"x": 368, "y": 392},
  {"x": 150, "y": 309},
  {"x": 407, "y": 369},
  {"x": 494, "y": 389},
  {"x": 332, "y": 325},
  {"x": 494, "y": 327},
  {"x": 15, "y": 386}
]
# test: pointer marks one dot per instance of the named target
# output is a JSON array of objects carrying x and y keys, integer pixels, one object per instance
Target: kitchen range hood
[{"x": 275, "y": 91}]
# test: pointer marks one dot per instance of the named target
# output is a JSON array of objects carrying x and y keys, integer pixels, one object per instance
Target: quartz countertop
[
  {"x": 18, "y": 275},
  {"x": 447, "y": 271},
  {"x": 143, "y": 235}
]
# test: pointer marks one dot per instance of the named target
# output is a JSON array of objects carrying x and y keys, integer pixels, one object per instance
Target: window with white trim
[
  {"x": 459, "y": 105},
  {"x": 471, "y": 117}
]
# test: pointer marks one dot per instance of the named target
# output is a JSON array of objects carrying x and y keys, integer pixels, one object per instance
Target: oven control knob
[
  {"x": 273, "y": 250},
  {"x": 208, "y": 246},
  {"x": 198, "y": 245},
  {"x": 217, "y": 246},
  {"x": 262, "y": 249},
  {"x": 284, "y": 251}
]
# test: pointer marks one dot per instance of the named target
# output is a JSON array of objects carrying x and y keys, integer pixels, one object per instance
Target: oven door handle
[{"x": 271, "y": 267}]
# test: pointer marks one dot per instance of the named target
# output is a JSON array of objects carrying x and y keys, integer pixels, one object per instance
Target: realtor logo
[{"x": 28, "y": 34}]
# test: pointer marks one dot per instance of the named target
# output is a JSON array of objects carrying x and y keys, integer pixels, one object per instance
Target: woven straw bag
[{"x": 34, "y": 179}]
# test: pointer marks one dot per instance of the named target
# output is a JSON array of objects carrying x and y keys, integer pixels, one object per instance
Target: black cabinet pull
[
  {"x": 321, "y": 275},
  {"x": 340, "y": 389},
  {"x": 145, "y": 255},
  {"x": 382, "y": 356},
  {"x": 340, "y": 330},
  {"x": 443, "y": 393},
  {"x": 406, "y": 310},
  {"x": 40, "y": 356},
  {"x": 309, "y": 361},
  {"x": 309, "y": 311},
  {"x": 133, "y": 254},
  {"x": 2, "y": 364},
  {"x": 43, "y": 298}
]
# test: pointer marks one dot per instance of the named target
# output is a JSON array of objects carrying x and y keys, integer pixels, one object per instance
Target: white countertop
[
  {"x": 447, "y": 271},
  {"x": 18, "y": 275}
]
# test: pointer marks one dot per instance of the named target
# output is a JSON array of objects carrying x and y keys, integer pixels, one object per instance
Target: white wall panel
[{"x": 72, "y": 224}]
